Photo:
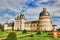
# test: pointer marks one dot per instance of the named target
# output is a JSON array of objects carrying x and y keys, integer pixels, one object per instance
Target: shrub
[
  {"x": 31, "y": 35},
  {"x": 24, "y": 31},
  {"x": 11, "y": 36},
  {"x": 17, "y": 29},
  {"x": 2, "y": 30},
  {"x": 38, "y": 32}
]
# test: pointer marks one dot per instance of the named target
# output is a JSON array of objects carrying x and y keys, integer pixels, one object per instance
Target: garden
[{"x": 26, "y": 35}]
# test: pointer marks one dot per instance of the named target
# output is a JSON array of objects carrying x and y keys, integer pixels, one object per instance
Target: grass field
[{"x": 43, "y": 36}]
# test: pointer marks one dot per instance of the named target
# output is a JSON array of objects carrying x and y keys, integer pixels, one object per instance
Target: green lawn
[
  {"x": 43, "y": 36},
  {"x": 4, "y": 34}
]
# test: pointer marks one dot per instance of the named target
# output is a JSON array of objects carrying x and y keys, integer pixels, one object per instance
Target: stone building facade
[
  {"x": 19, "y": 22},
  {"x": 8, "y": 26},
  {"x": 44, "y": 22}
]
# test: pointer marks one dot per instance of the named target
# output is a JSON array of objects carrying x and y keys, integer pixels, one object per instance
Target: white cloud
[
  {"x": 33, "y": 13},
  {"x": 45, "y": 0}
]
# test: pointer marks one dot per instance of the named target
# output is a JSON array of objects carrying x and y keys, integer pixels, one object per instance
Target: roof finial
[{"x": 44, "y": 9}]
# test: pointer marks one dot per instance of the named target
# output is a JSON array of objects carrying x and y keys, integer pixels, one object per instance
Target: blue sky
[{"x": 9, "y": 9}]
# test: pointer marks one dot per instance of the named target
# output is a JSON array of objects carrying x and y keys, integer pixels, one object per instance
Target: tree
[
  {"x": 12, "y": 24},
  {"x": 0, "y": 26},
  {"x": 58, "y": 29}
]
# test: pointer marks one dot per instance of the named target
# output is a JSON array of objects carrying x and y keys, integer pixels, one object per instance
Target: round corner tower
[{"x": 45, "y": 20}]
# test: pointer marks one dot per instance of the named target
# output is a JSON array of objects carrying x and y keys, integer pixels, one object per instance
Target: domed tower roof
[{"x": 44, "y": 12}]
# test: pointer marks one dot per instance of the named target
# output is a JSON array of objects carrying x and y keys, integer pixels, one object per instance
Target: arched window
[
  {"x": 33, "y": 24},
  {"x": 37, "y": 25},
  {"x": 30, "y": 25}
]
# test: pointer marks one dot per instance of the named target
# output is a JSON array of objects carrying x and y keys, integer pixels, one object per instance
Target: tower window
[{"x": 34, "y": 25}]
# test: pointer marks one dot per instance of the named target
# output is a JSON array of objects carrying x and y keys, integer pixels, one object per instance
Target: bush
[
  {"x": 17, "y": 29},
  {"x": 38, "y": 32},
  {"x": 24, "y": 31},
  {"x": 31, "y": 35},
  {"x": 2, "y": 30},
  {"x": 11, "y": 36}
]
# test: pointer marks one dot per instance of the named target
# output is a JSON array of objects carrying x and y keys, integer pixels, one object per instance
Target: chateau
[{"x": 44, "y": 22}]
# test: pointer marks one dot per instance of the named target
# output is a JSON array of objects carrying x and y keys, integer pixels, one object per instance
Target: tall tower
[
  {"x": 19, "y": 22},
  {"x": 45, "y": 21}
]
